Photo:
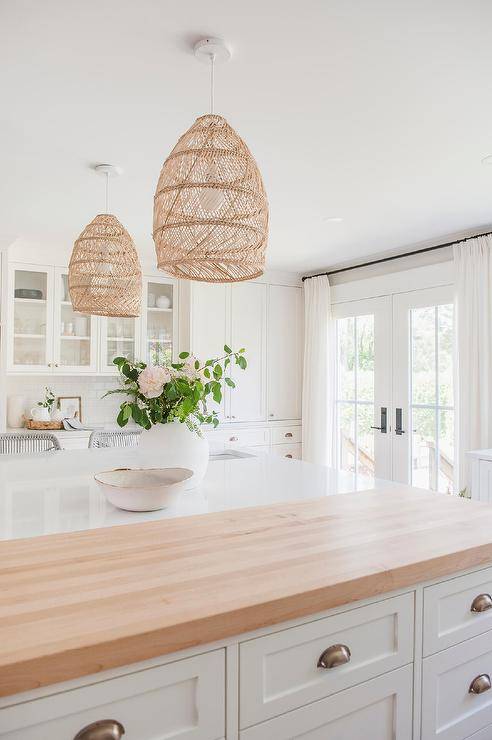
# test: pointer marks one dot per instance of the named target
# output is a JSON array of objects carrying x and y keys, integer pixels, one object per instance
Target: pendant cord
[
  {"x": 212, "y": 82},
  {"x": 107, "y": 192}
]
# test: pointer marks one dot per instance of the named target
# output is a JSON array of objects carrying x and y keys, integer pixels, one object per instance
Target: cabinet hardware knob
[
  {"x": 270, "y": 414},
  {"x": 480, "y": 684},
  {"x": 288, "y": 434},
  {"x": 232, "y": 439},
  {"x": 334, "y": 656},
  {"x": 104, "y": 729},
  {"x": 481, "y": 603},
  {"x": 289, "y": 455},
  {"x": 233, "y": 417},
  {"x": 50, "y": 364}
]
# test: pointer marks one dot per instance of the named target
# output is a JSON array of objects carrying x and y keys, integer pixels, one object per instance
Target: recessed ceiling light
[
  {"x": 487, "y": 160},
  {"x": 336, "y": 219}
]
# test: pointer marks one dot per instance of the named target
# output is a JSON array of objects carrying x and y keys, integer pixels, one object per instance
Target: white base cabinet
[{"x": 376, "y": 670}]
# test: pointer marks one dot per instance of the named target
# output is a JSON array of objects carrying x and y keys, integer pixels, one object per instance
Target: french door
[
  {"x": 363, "y": 386},
  {"x": 395, "y": 407}
]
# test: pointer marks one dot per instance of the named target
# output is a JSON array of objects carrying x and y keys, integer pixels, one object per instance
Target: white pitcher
[{"x": 40, "y": 413}]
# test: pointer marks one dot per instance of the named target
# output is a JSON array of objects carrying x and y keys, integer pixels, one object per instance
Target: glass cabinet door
[
  {"x": 119, "y": 338},
  {"x": 158, "y": 321},
  {"x": 75, "y": 333},
  {"x": 31, "y": 330}
]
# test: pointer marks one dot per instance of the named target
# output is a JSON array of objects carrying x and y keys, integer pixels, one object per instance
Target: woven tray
[{"x": 44, "y": 425}]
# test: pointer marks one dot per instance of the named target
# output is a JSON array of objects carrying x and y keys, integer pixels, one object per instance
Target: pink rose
[{"x": 152, "y": 380}]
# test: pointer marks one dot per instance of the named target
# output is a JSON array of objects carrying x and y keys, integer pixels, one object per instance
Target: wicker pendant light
[
  {"x": 210, "y": 206},
  {"x": 104, "y": 275}
]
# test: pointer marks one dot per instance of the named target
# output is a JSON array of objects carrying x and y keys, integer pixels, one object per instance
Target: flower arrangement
[{"x": 159, "y": 394}]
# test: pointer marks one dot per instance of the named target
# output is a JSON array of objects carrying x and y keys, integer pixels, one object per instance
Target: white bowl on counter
[{"x": 142, "y": 489}]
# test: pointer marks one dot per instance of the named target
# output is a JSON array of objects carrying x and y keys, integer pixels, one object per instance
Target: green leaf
[
  {"x": 119, "y": 361},
  {"x": 121, "y": 421},
  {"x": 227, "y": 349},
  {"x": 183, "y": 355},
  {"x": 197, "y": 365},
  {"x": 241, "y": 361},
  {"x": 230, "y": 382},
  {"x": 241, "y": 351},
  {"x": 206, "y": 372},
  {"x": 217, "y": 371}
]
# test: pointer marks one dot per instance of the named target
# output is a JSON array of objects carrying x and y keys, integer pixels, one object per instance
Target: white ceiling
[{"x": 375, "y": 111}]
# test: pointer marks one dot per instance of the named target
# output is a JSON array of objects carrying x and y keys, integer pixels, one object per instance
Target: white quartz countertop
[{"x": 55, "y": 492}]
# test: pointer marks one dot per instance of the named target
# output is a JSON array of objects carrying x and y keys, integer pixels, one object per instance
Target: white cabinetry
[
  {"x": 380, "y": 709},
  {"x": 184, "y": 699},
  {"x": 480, "y": 463},
  {"x": 45, "y": 335},
  {"x": 285, "y": 337},
  {"x": 248, "y": 330},
  {"x": 266, "y": 320},
  {"x": 271, "y": 685}
]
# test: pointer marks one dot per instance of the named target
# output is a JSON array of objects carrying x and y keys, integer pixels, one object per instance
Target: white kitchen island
[
  {"x": 56, "y": 492},
  {"x": 259, "y": 608}
]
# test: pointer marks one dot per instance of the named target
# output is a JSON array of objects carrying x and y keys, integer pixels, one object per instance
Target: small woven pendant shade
[
  {"x": 104, "y": 275},
  {"x": 210, "y": 207}
]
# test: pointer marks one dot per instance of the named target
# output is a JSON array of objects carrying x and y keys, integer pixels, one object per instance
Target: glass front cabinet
[{"x": 45, "y": 334}]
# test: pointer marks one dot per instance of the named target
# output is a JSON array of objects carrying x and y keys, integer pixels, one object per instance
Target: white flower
[{"x": 152, "y": 380}]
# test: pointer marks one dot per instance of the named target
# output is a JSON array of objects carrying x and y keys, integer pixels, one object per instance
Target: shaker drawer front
[
  {"x": 247, "y": 437},
  {"x": 379, "y": 709},
  {"x": 456, "y": 690},
  {"x": 286, "y": 435},
  {"x": 288, "y": 669},
  {"x": 457, "y": 610},
  {"x": 293, "y": 452},
  {"x": 182, "y": 700}
]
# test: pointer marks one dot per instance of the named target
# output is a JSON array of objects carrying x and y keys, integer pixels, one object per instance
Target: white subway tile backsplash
[{"x": 95, "y": 409}]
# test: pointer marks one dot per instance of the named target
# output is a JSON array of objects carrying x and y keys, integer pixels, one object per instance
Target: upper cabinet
[
  {"x": 45, "y": 335},
  {"x": 267, "y": 321},
  {"x": 285, "y": 352},
  {"x": 74, "y": 334},
  {"x": 248, "y": 330},
  {"x": 30, "y": 328},
  {"x": 159, "y": 320}
]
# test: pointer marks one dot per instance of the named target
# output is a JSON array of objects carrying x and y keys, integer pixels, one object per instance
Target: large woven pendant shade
[
  {"x": 104, "y": 275},
  {"x": 210, "y": 207}
]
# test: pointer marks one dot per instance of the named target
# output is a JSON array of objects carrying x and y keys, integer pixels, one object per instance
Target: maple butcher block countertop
[{"x": 78, "y": 603}]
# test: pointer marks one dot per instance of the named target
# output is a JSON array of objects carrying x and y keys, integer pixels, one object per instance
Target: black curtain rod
[{"x": 396, "y": 256}]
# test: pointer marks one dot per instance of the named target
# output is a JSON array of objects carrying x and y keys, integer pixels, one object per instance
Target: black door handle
[
  {"x": 384, "y": 423},
  {"x": 398, "y": 425}
]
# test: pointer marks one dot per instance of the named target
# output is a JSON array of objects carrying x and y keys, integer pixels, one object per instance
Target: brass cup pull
[
  {"x": 288, "y": 434},
  {"x": 481, "y": 603},
  {"x": 104, "y": 729},
  {"x": 289, "y": 456},
  {"x": 480, "y": 684},
  {"x": 334, "y": 656},
  {"x": 232, "y": 439}
]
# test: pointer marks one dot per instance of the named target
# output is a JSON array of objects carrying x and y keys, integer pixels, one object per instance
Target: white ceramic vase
[{"x": 175, "y": 446}]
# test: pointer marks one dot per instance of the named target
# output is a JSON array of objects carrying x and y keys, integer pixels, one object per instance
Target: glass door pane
[
  {"x": 363, "y": 387},
  {"x": 431, "y": 394},
  {"x": 423, "y": 451},
  {"x": 120, "y": 340},
  {"x": 73, "y": 331},
  {"x": 159, "y": 322},
  {"x": 31, "y": 336}
]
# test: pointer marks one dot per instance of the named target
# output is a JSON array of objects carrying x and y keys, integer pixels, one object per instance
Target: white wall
[{"x": 95, "y": 411}]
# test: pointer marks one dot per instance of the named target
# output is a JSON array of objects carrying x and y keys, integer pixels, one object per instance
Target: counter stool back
[
  {"x": 114, "y": 439},
  {"x": 21, "y": 443}
]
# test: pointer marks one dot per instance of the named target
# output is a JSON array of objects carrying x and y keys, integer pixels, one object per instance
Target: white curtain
[
  {"x": 473, "y": 303},
  {"x": 318, "y": 394}
]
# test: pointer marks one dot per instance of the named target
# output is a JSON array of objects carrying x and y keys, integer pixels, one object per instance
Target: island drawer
[
  {"x": 282, "y": 671},
  {"x": 286, "y": 435},
  {"x": 457, "y": 609},
  {"x": 293, "y": 452},
  {"x": 379, "y": 709},
  {"x": 456, "y": 693},
  {"x": 184, "y": 699}
]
